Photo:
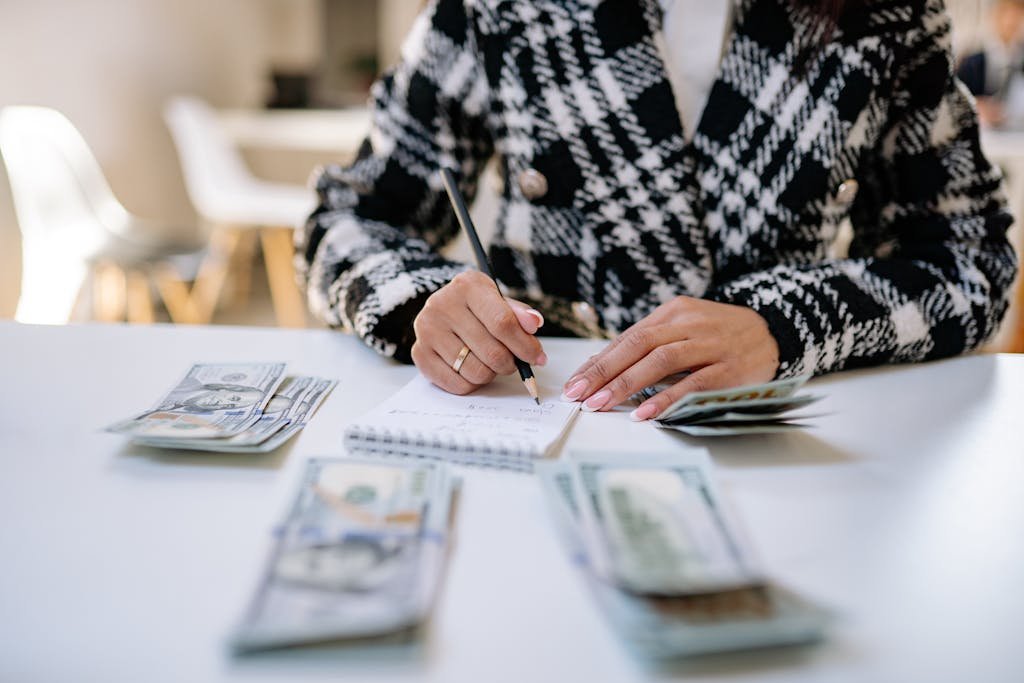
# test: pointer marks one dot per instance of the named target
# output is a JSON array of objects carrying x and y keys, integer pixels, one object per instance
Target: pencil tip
[{"x": 531, "y": 386}]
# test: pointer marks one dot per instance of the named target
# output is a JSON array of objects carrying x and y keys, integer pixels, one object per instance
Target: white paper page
[{"x": 499, "y": 420}]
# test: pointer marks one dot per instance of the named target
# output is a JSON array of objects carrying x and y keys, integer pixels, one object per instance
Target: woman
[{"x": 697, "y": 242}]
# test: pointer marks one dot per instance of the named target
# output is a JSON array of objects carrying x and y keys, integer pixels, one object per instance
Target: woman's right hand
[{"x": 470, "y": 311}]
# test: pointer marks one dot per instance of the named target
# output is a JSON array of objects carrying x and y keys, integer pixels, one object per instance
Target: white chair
[
  {"x": 74, "y": 231},
  {"x": 237, "y": 205}
]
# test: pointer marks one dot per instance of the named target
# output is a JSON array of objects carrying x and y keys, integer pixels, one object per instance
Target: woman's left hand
[{"x": 721, "y": 345}]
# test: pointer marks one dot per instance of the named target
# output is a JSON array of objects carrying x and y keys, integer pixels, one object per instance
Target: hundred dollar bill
[
  {"x": 658, "y": 527},
  {"x": 360, "y": 554},
  {"x": 668, "y": 627},
  {"x": 738, "y": 396},
  {"x": 211, "y": 401},
  {"x": 752, "y": 409},
  {"x": 288, "y": 411}
]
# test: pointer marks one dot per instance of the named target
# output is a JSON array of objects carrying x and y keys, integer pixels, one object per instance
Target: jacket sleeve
[
  {"x": 928, "y": 275},
  {"x": 368, "y": 256}
]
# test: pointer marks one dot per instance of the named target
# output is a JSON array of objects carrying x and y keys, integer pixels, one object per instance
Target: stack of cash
[
  {"x": 361, "y": 554},
  {"x": 665, "y": 558},
  {"x": 229, "y": 408},
  {"x": 754, "y": 409}
]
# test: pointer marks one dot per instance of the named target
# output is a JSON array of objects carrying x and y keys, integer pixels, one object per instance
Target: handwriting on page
[
  {"x": 486, "y": 419},
  {"x": 496, "y": 425}
]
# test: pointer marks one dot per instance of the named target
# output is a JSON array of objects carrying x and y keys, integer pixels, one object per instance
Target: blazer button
[
  {"x": 533, "y": 183},
  {"x": 847, "y": 191}
]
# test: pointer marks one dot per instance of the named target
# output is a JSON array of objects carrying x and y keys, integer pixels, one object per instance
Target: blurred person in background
[
  {"x": 674, "y": 177},
  {"x": 995, "y": 74}
]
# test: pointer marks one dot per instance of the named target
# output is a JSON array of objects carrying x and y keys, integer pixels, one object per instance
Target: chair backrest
[
  {"x": 211, "y": 163},
  {"x": 66, "y": 210}
]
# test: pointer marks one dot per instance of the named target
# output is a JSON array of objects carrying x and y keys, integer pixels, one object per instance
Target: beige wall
[{"x": 109, "y": 65}]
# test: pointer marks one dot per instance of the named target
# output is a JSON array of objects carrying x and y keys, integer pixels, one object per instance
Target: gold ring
[{"x": 457, "y": 365}]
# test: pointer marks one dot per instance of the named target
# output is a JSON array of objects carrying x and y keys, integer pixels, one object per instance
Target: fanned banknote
[
  {"x": 757, "y": 614},
  {"x": 753, "y": 409},
  {"x": 211, "y": 401},
  {"x": 229, "y": 408},
  {"x": 361, "y": 554},
  {"x": 286, "y": 414}
]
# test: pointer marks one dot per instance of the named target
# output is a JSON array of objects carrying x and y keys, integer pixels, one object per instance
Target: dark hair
[{"x": 829, "y": 10}]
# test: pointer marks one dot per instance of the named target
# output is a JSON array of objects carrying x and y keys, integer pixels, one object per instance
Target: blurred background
[{"x": 146, "y": 98}]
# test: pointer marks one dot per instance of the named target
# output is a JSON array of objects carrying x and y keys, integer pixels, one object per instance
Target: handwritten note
[{"x": 497, "y": 422}]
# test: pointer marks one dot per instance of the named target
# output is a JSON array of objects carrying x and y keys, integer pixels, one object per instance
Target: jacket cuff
[
  {"x": 380, "y": 306},
  {"x": 778, "y": 313}
]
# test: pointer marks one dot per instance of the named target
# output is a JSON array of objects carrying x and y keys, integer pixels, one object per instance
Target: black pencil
[{"x": 459, "y": 204}]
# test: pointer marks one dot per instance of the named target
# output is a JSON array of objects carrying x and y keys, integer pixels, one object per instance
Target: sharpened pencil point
[{"x": 531, "y": 386}]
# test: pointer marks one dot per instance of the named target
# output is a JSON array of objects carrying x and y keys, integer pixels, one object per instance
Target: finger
[
  {"x": 633, "y": 345},
  {"x": 704, "y": 379},
  {"x": 661, "y": 362},
  {"x": 437, "y": 370},
  {"x": 530, "y": 319},
  {"x": 503, "y": 324},
  {"x": 581, "y": 370},
  {"x": 662, "y": 315},
  {"x": 487, "y": 349},
  {"x": 472, "y": 369},
  {"x": 612, "y": 346}
]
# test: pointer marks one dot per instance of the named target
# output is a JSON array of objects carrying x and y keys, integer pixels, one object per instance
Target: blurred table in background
[
  {"x": 285, "y": 145},
  {"x": 339, "y": 131}
]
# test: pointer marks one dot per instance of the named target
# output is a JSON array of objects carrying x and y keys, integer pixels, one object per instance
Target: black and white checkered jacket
[{"x": 608, "y": 211}]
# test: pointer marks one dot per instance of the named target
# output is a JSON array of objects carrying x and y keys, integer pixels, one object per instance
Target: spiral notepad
[{"x": 497, "y": 425}]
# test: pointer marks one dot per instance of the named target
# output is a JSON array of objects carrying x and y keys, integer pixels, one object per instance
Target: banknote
[
  {"x": 670, "y": 627},
  {"x": 211, "y": 401},
  {"x": 753, "y": 409},
  {"x": 782, "y": 388},
  {"x": 287, "y": 412},
  {"x": 658, "y": 527},
  {"x": 360, "y": 554}
]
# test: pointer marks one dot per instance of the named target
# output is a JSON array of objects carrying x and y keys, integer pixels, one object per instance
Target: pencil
[{"x": 459, "y": 204}]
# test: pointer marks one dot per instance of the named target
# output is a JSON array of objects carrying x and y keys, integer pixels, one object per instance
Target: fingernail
[
  {"x": 576, "y": 390},
  {"x": 597, "y": 401},
  {"x": 644, "y": 412},
  {"x": 536, "y": 314},
  {"x": 542, "y": 359}
]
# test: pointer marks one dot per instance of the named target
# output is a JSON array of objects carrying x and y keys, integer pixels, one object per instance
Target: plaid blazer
[{"x": 608, "y": 211}]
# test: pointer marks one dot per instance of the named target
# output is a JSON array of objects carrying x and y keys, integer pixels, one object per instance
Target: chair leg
[
  {"x": 108, "y": 293},
  {"x": 213, "y": 272},
  {"x": 140, "y": 302},
  {"x": 278, "y": 251},
  {"x": 175, "y": 295},
  {"x": 241, "y": 268}
]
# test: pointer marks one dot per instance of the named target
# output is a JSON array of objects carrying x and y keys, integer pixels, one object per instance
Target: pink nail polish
[
  {"x": 542, "y": 359},
  {"x": 597, "y": 401},
  {"x": 536, "y": 314},
  {"x": 576, "y": 390},
  {"x": 644, "y": 412}
]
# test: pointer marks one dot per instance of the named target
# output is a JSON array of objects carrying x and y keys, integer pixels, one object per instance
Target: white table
[
  {"x": 339, "y": 131},
  {"x": 902, "y": 511}
]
